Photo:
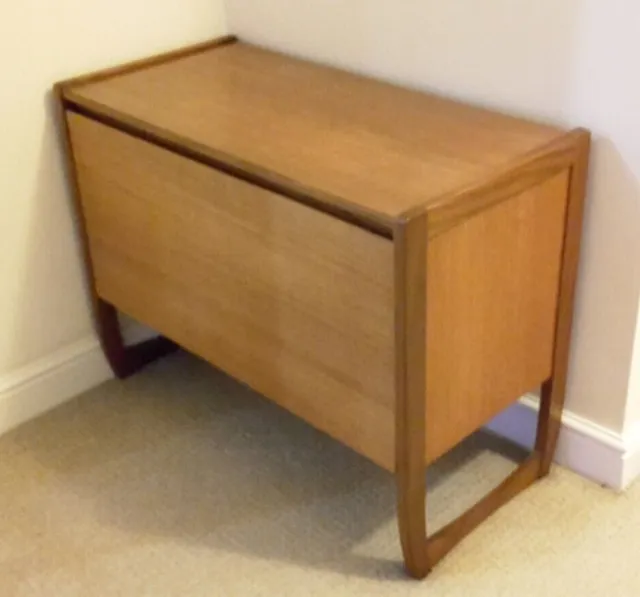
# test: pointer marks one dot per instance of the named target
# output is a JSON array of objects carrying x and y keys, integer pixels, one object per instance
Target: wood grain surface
[
  {"x": 553, "y": 391},
  {"x": 392, "y": 266},
  {"x": 295, "y": 303},
  {"x": 147, "y": 62},
  {"x": 529, "y": 171},
  {"x": 410, "y": 244},
  {"x": 492, "y": 290},
  {"x": 336, "y": 137},
  {"x": 123, "y": 359}
]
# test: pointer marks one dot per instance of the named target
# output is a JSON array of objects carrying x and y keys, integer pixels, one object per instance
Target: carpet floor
[{"x": 181, "y": 482}]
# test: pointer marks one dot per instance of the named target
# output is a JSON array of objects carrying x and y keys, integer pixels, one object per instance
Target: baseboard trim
[
  {"x": 50, "y": 381},
  {"x": 589, "y": 449},
  {"x": 631, "y": 458},
  {"x": 593, "y": 451}
]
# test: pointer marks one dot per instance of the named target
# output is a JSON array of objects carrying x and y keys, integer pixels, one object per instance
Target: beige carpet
[{"x": 180, "y": 482}]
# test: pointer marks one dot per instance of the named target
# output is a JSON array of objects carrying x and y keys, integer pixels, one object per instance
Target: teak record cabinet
[{"x": 393, "y": 267}]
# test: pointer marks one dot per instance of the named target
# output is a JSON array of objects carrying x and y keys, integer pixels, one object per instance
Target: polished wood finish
[
  {"x": 296, "y": 304},
  {"x": 492, "y": 288},
  {"x": 318, "y": 126},
  {"x": 377, "y": 223},
  {"x": 528, "y": 171},
  {"x": 143, "y": 63},
  {"x": 391, "y": 266},
  {"x": 553, "y": 390},
  {"x": 124, "y": 360},
  {"x": 410, "y": 295}
]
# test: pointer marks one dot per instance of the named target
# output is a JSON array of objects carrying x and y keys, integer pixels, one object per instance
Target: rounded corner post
[
  {"x": 552, "y": 396},
  {"x": 410, "y": 244}
]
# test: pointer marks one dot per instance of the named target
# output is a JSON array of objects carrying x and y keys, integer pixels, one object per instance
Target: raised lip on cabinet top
[{"x": 366, "y": 151}]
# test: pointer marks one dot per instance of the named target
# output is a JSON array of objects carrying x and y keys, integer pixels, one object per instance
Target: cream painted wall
[
  {"x": 42, "y": 300},
  {"x": 565, "y": 61}
]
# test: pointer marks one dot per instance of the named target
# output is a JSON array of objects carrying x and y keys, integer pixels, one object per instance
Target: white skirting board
[
  {"x": 612, "y": 459},
  {"x": 50, "y": 381},
  {"x": 54, "y": 379},
  {"x": 587, "y": 448}
]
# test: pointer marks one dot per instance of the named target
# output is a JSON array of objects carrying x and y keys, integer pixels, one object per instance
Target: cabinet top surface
[{"x": 333, "y": 135}]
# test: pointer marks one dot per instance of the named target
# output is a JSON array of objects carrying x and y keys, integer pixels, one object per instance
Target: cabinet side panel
[
  {"x": 492, "y": 291},
  {"x": 291, "y": 301}
]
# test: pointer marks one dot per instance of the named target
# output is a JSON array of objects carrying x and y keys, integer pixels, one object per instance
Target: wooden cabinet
[{"x": 391, "y": 266}]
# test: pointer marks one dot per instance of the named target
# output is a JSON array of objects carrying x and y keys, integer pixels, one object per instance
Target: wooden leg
[
  {"x": 126, "y": 360},
  {"x": 440, "y": 544},
  {"x": 412, "y": 524},
  {"x": 549, "y": 421},
  {"x": 421, "y": 553},
  {"x": 410, "y": 284},
  {"x": 553, "y": 390}
]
